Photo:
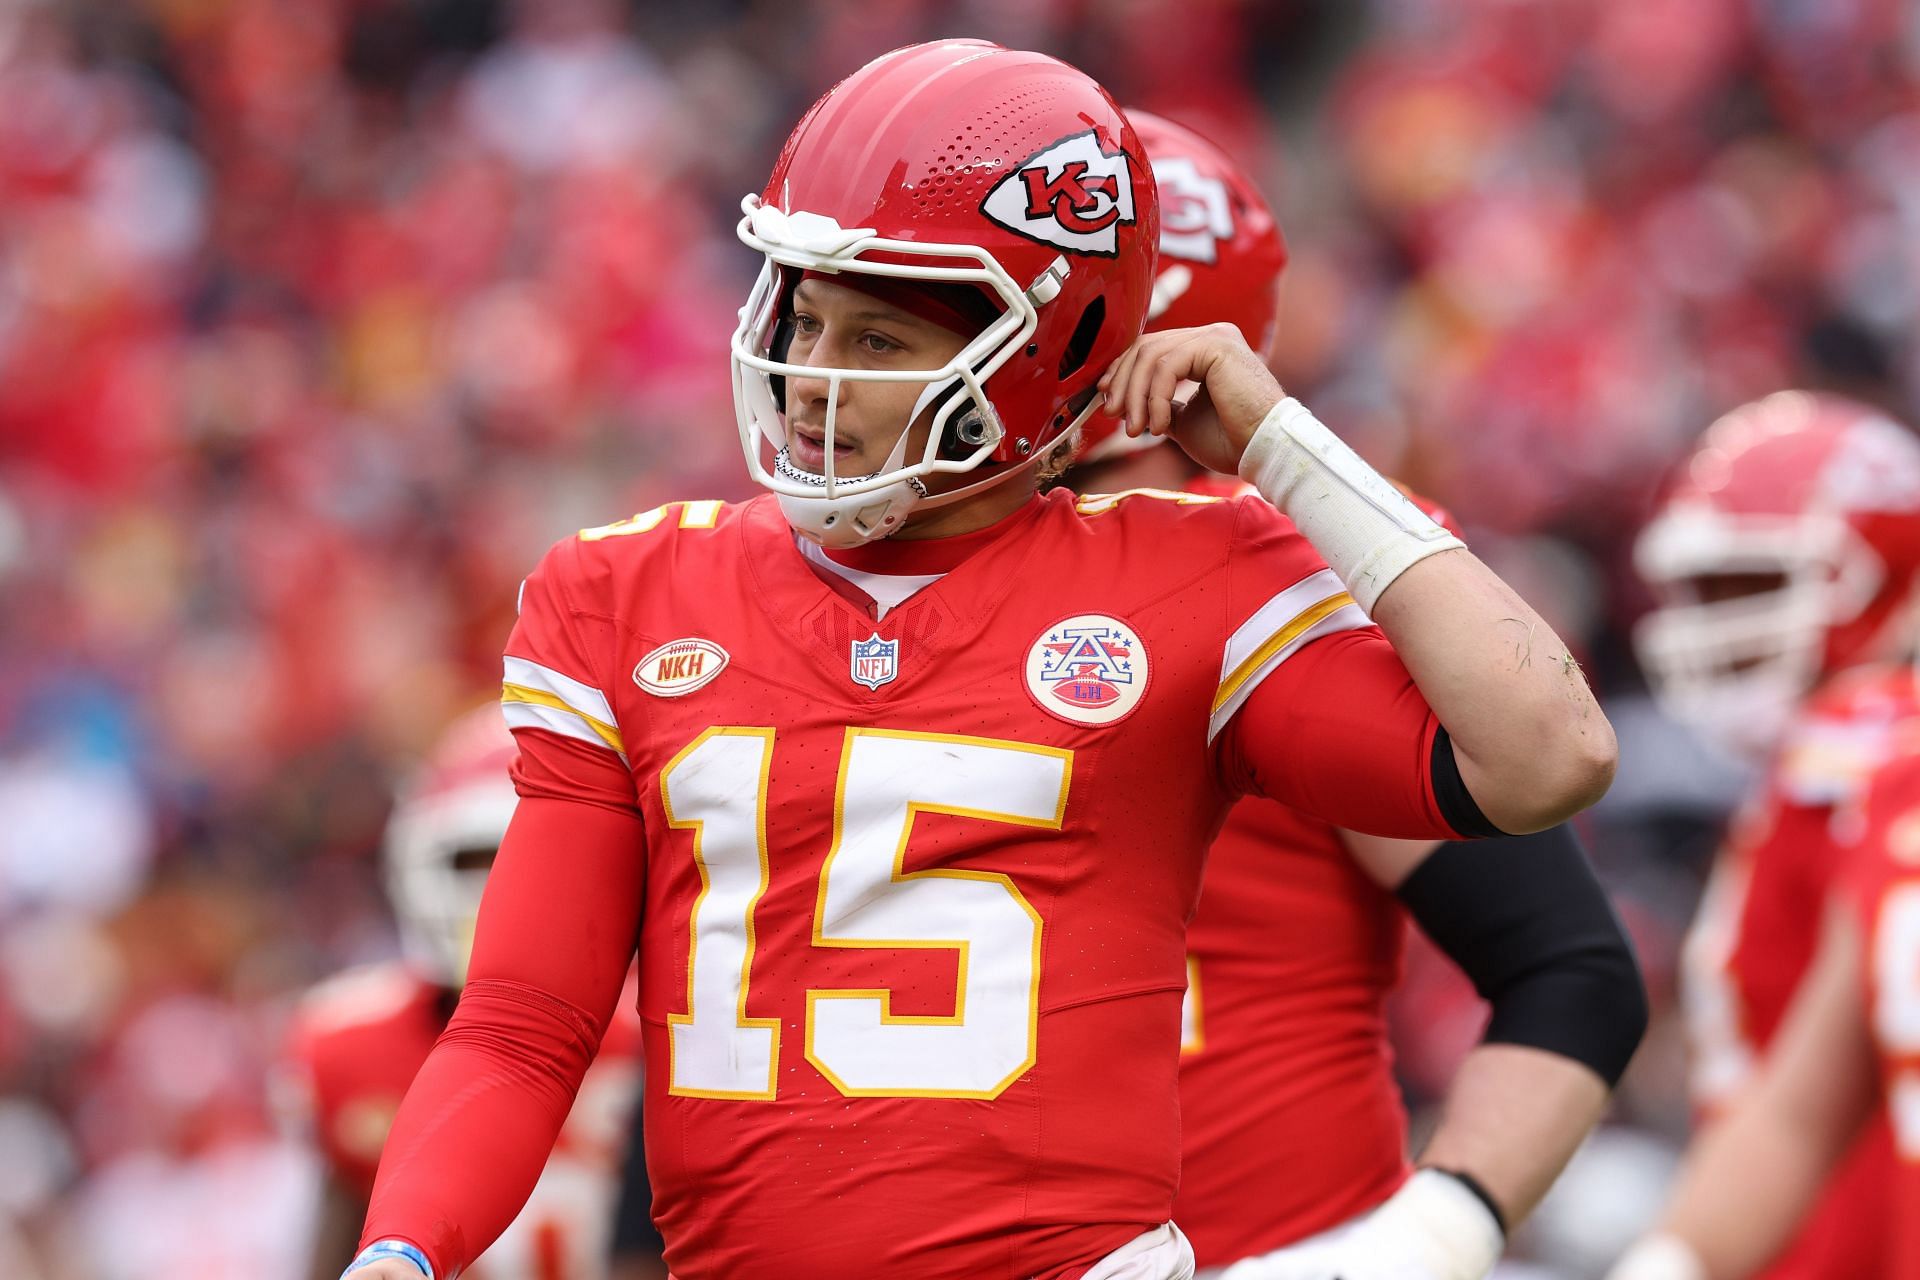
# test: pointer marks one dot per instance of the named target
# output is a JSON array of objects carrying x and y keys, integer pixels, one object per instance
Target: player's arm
[
  {"x": 480, "y": 1119},
  {"x": 1755, "y": 1172},
  {"x": 555, "y": 938},
  {"x": 1531, "y": 745},
  {"x": 1527, "y": 921}
]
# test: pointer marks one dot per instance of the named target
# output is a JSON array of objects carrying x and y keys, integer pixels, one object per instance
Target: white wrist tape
[
  {"x": 1458, "y": 1237},
  {"x": 1659, "y": 1258},
  {"x": 1364, "y": 528}
]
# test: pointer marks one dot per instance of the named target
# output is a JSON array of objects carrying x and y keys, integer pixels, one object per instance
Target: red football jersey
[
  {"x": 356, "y": 1042},
  {"x": 1291, "y": 1119},
  {"x": 1883, "y": 886},
  {"x": 913, "y": 938},
  {"x": 1759, "y": 923}
]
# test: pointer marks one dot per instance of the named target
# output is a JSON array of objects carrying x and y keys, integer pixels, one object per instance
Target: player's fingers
[
  {"x": 1167, "y": 374},
  {"x": 1115, "y": 382},
  {"x": 1140, "y": 381}
]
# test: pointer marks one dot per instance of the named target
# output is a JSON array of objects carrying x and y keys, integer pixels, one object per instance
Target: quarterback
[
  {"x": 1293, "y": 1132},
  {"x": 900, "y": 777}
]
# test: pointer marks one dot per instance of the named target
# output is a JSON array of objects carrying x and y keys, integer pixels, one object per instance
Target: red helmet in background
[
  {"x": 951, "y": 163},
  {"x": 1786, "y": 550},
  {"x": 445, "y": 829},
  {"x": 1221, "y": 254}
]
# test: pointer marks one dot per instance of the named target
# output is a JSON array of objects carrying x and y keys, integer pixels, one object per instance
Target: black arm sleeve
[
  {"x": 634, "y": 1234},
  {"x": 1457, "y": 804},
  {"x": 1526, "y": 920}
]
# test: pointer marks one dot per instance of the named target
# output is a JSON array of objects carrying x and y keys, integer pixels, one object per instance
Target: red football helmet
[
  {"x": 1221, "y": 255},
  {"x": 1787, "y": 549},
  {"x": 955, "y": 162},
  {"x": 441, "y": 839}
]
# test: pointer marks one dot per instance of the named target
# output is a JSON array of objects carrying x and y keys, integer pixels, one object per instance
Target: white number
[
  {"x": 866, "y": 900},
  {"x": 718, "y": 787},
  {"x": 886, "y": 781}
]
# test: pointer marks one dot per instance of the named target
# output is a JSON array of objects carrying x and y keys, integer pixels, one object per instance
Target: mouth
[{"x": 808, "y": 446}]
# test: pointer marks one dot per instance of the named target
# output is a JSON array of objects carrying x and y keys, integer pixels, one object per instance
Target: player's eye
[
  {"x": 878, "y": 345},
  {"x": 804, "y": 323}
]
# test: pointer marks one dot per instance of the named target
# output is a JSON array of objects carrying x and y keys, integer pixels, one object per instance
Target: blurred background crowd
[{"x": 320, "y": 320}]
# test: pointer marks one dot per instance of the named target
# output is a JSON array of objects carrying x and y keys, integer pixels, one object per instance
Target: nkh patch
[
  {"x": 680, "y": 667},
  {"x": 1072, "y": 194},
  {"x": 1088, "y": 669},
  {"x": 875, "y": 661}
]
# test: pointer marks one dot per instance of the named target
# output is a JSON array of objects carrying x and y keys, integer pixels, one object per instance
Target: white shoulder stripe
[
  {"x": 1317, "y": 605},
  {"x": 583, "y": 698},
  {"x": 566, "y": 723}
]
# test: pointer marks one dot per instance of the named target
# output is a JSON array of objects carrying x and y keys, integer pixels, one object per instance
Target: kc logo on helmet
[
  {"x": 1195, "y": 213},
  {"x": 1071, "y": 194}
]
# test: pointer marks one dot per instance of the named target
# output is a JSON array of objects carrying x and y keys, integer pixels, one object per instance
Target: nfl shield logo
[{"x": 875, "y": 661}]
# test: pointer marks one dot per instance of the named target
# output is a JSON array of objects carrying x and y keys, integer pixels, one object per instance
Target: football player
[
  {"x": 357, "y": 1039},
  {"x": 1846, "y": 1059},
  {"x": 1292, "y": 1123},
  {"x": 1785, "y": 559},
  {"x": 901, "y": 776}
]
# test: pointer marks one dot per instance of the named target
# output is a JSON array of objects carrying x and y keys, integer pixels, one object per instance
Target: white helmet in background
[
  {"x": 1786, "y": 549},
  {"x": 441, "y": 839}
]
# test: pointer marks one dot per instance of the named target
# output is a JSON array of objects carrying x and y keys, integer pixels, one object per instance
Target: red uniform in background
[
  {"x": 1759, "y": 923},
  {"x": 355, "y": 1045},
  {"x": 1882, "y": 884},
  {"x": 1784, "y": 557},
  {"x": 916, "y": 888}
]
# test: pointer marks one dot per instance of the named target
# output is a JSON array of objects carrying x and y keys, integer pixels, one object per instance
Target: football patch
[
  {"x": 1071, "y": 194},
  {"x": 678, "y": 668},
  {"x": 1088, "y": 669}
]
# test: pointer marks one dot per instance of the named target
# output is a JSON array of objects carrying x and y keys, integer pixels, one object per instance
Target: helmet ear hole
[{"x": 1085, "y": 334}]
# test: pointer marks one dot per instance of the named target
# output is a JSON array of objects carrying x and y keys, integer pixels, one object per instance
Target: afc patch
[
  {"x": 1088, "y": 669},
  {"x": 874, "y": 661},
  {"x": 680, "y": 667},
  {"x": 1072, "y": 194}
]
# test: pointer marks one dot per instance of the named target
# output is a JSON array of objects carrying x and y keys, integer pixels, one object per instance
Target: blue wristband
[{"x": 389, "y": 1249}]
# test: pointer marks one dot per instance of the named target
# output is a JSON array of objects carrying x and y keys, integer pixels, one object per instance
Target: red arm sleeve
[
  {"x": 481, "y": 1117},
  {"x": 1339, "y": 731},
  {"x": 555, "y": 936}
]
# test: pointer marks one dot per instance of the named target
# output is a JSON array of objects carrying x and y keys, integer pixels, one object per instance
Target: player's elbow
[{"x": 1569, "y": 767}]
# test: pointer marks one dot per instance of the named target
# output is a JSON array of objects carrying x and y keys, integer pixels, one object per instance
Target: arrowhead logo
[
  {"x": 1070, "y": 194},
  {"x": 1195, "y": 212}
]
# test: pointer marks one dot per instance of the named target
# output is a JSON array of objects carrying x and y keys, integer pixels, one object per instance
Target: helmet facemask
[
  {"x": 438, "y": 854},
  {"x": 1736, "y": 667},
  {"x": 966, "y": 431}
]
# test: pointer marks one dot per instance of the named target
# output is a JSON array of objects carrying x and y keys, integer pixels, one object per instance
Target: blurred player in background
[
  {"x": 1844, "y": 1065},
  {"x": 1785, "y": 559},
  {"x": 358, "y": 1038},
  {"x": 907, "y": 828},
  {"x": 1292, "y": 1123}
]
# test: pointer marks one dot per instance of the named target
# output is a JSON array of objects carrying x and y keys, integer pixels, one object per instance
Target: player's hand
[
  {"x": 387, "y": 1269},
  {"x": 1236, "y": 391},
  {"x": 1431, "y": 1229},
  {"x": 1659, "y": 1258}
]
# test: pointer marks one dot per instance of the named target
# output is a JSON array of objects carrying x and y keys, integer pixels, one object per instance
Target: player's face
[{"x": 838, "y": 327}]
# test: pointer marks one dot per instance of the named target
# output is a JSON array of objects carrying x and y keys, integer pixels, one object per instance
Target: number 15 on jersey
[{"x": 716, "y": 787}]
